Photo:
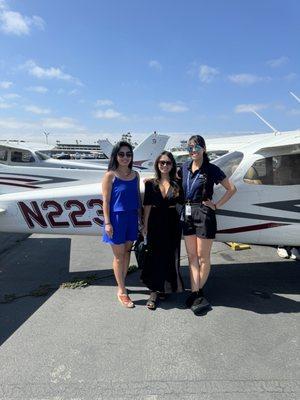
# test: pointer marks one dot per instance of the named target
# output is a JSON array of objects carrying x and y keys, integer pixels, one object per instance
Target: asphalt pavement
[{"x": 61, "y": 340}]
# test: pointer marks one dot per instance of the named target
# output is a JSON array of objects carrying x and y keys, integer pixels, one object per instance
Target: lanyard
[{"x": 189, "y": 186}]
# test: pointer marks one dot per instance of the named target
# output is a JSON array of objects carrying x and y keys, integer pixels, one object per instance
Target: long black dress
[{"x": 161, "y": 269}]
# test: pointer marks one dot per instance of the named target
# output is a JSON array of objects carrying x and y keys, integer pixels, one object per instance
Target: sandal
[
  {"x": 125, "y": 300},
  {"x": 151, "y": 302}
]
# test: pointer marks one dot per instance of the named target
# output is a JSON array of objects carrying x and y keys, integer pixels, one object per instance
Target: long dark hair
[
  {"x": 113, "y": 161},
  {"x": 197, "y": 139},
  {"x": 172, "y": 173}
]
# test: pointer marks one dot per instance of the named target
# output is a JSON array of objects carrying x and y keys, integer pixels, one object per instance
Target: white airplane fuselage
[{"x": 258, "y": 213}]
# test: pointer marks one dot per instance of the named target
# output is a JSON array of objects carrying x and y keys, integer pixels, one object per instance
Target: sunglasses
[
  {"x": 196, "y": 148},
  {"x": 128, "y": 154},
  {"x": 165, "y": 163}
]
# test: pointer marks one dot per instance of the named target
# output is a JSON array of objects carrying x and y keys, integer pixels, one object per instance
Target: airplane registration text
[{"x": 50, "y": 213}]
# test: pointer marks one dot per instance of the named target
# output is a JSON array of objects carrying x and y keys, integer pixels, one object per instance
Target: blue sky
[{"x": 89, "y": 69}]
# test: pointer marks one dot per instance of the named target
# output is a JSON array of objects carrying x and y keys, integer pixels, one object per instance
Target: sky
[{"x": 90, "y": 69}]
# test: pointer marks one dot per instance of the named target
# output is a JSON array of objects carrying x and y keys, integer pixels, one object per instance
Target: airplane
[
  {"x": 144, "y": 154},
  {"x": 265, "y": 209},
  {"x": 219, "y": 146},
  {"x": 28, "y": 154},
  {"x": 55, "y": 173}
]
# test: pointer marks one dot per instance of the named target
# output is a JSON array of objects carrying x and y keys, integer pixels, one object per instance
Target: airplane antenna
[
  {"x": 46, "y": 135},
  {"x": 295, "y": 97},
  {"x": 266, "y": 122}
]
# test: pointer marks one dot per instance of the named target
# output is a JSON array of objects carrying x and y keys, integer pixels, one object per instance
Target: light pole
[{"x": 46, "y": 136}]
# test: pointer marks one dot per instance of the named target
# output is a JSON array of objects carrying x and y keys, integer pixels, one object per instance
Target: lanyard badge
[{"x": 188, "y": 210}]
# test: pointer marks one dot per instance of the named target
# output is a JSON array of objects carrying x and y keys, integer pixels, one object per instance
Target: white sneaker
[
  {"x": 283, "y": 252},
  {"x": 295, "y": 253}
]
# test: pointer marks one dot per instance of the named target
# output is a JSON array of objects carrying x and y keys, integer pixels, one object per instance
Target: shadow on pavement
[{"x": 257, "y": 287}]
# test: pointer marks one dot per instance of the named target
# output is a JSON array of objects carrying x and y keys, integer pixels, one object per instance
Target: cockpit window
[
  {"x": 3, "y": 155},
  {"x": 42, "y": 156},
  {"x": 229, "y": 162},
  {"x": 276, "y": 170},
  {"x": 21, "y": 156}
]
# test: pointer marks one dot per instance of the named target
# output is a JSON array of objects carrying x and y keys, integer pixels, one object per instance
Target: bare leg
[
  {"x": 118, "y": 266},
  {"x": 192, "y": 253},
  {"x": 127, "y": 255},
  {"x": 204, "y": 249}
]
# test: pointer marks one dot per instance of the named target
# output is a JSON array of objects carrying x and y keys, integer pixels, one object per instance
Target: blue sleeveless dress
[{"x": 124, "y": 205}]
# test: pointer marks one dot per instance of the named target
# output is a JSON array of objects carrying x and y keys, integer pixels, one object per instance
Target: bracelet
[{"x": 107, "y": 223}]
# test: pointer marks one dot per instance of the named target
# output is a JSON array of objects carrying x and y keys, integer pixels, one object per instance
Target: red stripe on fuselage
[
  {"x": 251, "y": 228},
  {"x": 19, "y": 185}
]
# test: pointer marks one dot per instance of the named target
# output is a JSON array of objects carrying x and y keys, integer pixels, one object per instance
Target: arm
[
  {"x": 106, "y": 193},
  {"x": 230, "y": 191},
  {"x": 147, "y": 210},
  {"x": 140, "y": 200},
  {"x": 147, "y": 206}
]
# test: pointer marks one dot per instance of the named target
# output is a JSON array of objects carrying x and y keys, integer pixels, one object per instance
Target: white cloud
[
  {"x": 37, "y": 110},
  {"x": 177, "y": 107},
  {"x": 155, "y": 65},
  {"x": 4, "y": 106},
  {"x": 104, "y": 102},
  {"x": 5, "y": 84},
  {"x": 48, "y": 73},
  {"x": 294, "y": 112},
  {"x": 207, "y": 74},
  {"x": 246, "y": 108},
  {"x": 247, "y": 79},
  {"x": 11, "y": 96},
  {"x": 278, "y": 62},
  {"x": 14, "y": 23},
  {"x": 62, "y": 123},
  {"x": 107, "y": 114},
  {"x": 290, "y": 77},
  {"x": 57, "y": 126},
  {"x": 15, "y": 124},
  {"x": 37, "y": 89},
  {"x": 73, "y": 92}
]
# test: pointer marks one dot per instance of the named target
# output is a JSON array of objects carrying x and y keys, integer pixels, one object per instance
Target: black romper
[
  {"x": 161, "y": 270},
  {"x": 199, "y": 186}
]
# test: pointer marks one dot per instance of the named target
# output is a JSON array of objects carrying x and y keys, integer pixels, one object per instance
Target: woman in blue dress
[{"x": 121, "y": 203}]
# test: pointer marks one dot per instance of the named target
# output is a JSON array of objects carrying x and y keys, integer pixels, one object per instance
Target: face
[
  {"x": 164, "y": 164},
  {"x": 196, "y": 151},
  {"x": 124, "y": 156}
]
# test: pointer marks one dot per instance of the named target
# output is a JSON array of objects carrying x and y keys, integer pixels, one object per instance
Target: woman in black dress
[{"x": 162, "y": 229}]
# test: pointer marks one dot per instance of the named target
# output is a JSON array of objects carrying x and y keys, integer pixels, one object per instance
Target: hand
[
  {"x": 144, "y": 231},
  {"x": 210, "y": 204},
  {"x": 109, "y": 230}
]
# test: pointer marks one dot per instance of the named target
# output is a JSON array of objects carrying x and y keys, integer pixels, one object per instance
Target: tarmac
[{"x": 61, "y": 343}]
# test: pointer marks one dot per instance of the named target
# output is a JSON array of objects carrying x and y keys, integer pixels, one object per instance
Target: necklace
[{"x": 124, "y": 174}]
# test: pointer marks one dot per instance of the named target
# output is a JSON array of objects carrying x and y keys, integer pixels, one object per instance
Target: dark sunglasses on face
[
  {"x": 196, "y": 148},
  {"x": 163, "y": 163},
  {"x": 128, "y": 154}
]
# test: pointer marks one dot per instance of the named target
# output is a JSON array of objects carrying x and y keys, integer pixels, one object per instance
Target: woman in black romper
[
  {"x": 162, "y": 229},
  {"x": 199, "y": 220}
]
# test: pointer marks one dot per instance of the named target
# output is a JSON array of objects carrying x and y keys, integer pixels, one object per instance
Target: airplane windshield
[
  {"x": 277, "y": 170},
  {"x": 229, "y": 162},
  {"x": 3, "y": 155},
  {"x": 42, "y": 156}
]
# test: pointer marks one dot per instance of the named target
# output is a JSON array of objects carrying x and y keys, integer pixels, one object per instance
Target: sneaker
[
  {"x": 190, "y": 299},
  {"x": 200, "y": 305}
]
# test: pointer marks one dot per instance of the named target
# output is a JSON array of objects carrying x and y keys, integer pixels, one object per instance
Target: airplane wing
[{"x": 2, "y": 211}]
